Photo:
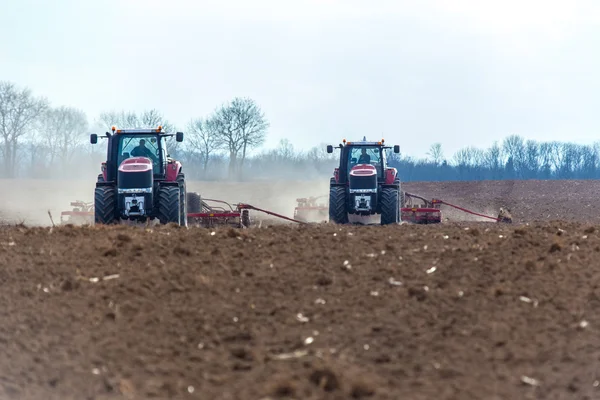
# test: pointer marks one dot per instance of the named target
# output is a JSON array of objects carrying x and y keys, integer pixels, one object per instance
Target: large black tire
[
  {"x": 105, "y": 201},
  {"x": 402, "y": 195},
  {"x": 245, "y": 218},
  {"x": 390, "y": 206},
  {"x": 182, "y": 200},
  {"x": 169, "y": 205},
  {"x": 194, "y": 203},
  {"x": 337, "y": 205}
]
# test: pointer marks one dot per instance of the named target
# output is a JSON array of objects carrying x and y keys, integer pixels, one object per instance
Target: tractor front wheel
[
  {"x": 105, "y": 201},
  {"x": 390, "y": 206},
  {"x": 169, "y": 205},
  {"x": 337, "y": 205}
]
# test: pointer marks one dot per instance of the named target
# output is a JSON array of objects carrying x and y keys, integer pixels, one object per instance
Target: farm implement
[
  {"x": 429, "y": 211},
  {"x": 210, "y": 212},
  {"x": 309, "y": 210},
  {"x": 81, "y": 213}
]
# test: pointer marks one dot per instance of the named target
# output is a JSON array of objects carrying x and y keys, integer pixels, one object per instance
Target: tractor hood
[{"x": 136, "y": 164}]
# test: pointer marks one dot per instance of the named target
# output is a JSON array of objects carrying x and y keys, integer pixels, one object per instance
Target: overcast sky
[{"x": 417, "y": 72}]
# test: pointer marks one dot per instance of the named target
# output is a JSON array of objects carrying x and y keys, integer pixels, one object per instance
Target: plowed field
[{"x": 461, "y": 310}]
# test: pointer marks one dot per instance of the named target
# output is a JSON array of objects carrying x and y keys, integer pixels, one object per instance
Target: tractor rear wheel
[
  {"x": 105, "y": 201},
  {"x": 194, "y": 203},
  {"x": 169, "y": 205},
  {"x": 182, "y": 200},
  {"x": 337, "y": 205},
  {"x": 390, "y": 206}
]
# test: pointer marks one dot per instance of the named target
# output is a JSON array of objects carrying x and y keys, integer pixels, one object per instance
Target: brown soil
[
  {"x": 528, "y": 200},
  {"x": 307, "y": 312}
]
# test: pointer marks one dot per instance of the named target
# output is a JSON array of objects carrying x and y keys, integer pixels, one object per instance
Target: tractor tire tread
[
  {"x": 390, "y": 206},
  {"x": 337, "y": 205},
  {"x": 105, "y": 199},
  {"x": 169, "y": 205}
]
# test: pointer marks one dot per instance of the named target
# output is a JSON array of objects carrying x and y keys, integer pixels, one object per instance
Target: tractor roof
[
  {"x": 364, "y": 142},
  {"x": 136, "y": 131}
]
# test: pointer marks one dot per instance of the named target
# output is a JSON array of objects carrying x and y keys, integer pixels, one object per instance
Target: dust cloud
[{"x": 28, "y": 201}]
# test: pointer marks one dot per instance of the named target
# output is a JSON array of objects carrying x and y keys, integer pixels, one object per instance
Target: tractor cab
[
  {"x": 124, "y": 144},
  {"x": 366, "y": 154},
  {"x": 142, "y": 145},
  {"x": 362, "y": 155}
]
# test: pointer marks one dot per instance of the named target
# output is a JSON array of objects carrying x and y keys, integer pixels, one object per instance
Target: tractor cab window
[
  {"x": 365, "y": 155},
  {"x": 140, "y": 146}
]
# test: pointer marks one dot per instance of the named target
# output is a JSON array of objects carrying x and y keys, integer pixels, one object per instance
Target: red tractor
[
  {"x": 364, "y": 185},
  {"x": 139, "y": 180}
]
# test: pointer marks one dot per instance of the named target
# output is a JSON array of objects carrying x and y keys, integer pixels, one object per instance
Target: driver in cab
[
  {"x": 364, "y": 157},
  {"x": 142, "y": 151}
]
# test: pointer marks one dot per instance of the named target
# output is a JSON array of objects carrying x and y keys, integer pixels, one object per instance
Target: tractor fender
[
  {"x": 173, "y": 169},
  {"x": 390, "y": 175}
]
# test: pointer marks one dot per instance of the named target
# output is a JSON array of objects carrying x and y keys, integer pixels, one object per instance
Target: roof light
[
  {"x": 113, "y": 128},
  {"x": 344, "y": 140},
  {"x": 159, "y": 128}
]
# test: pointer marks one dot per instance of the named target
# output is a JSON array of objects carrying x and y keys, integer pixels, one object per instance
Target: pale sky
[{"x": 417, "y": 72}]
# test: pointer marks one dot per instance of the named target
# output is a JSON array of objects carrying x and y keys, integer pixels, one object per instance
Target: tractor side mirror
[
  {"x": 179, "y": 136},
  {"x": 396, "y": 149},
  {"x": 93, "y": 138},
  {"x": 329, "y": 148}
]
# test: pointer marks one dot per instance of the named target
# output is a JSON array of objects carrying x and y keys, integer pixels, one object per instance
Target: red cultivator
[
  {"x": 429, "y": 211},
  {"x": 308, "y": 210},
  {"x": 210, "y": 213},
  {"x": 82, "y": 213}
]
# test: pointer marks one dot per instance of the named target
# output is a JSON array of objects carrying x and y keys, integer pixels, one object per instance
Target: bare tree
[
  {"x": 493, "y": 159},
  {"x": 532, "y": 159},
  {"x": 436, "y": 153},
  {"x": 514, "y": 147},
  {"x": 120, "y": 119},
  {"x": 242, "y": 126},
  {"x": 285, "y": 151},
  {"x": 19, "y": 110},
  {"x": 63, "y": 130},
  {"x": 204, "y": 138},
  {"x": 130, "y": 120},
  {"x": 464, "y": 157}
]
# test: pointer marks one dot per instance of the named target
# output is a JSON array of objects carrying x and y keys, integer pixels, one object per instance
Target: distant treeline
[
  {"x": 513, "y": 158},
  {"x": 516, "y": 158},
  {"x": 40, "y": 140}
]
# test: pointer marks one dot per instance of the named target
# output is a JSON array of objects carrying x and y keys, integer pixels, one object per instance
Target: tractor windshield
[
  {"x": 140, "y": 146},
  {"x": 365, "y": 155}
]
